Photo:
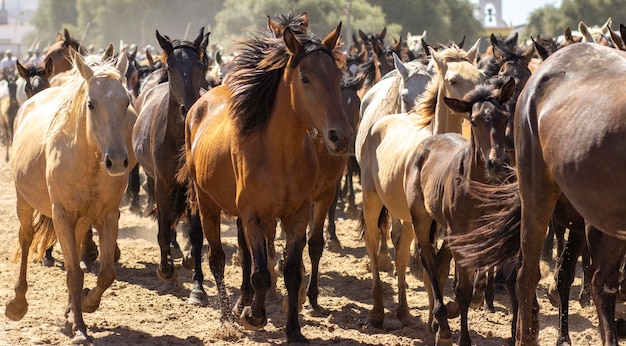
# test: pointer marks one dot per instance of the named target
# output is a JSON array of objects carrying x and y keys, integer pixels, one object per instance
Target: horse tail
[
  {"x": 497, "y": 241},
  {"x": 43, "y": 238},
  {"x": 183, "y": 177},
  {"x": 383, "y": 223}
]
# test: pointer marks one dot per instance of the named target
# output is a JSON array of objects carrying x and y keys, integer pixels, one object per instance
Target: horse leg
[
  {"x": 198, "y": 295},
  {"x": 316, "y": 248},
  {"x": 70, "y": 237},
  {"x": 332, "y": 242},
  {"x": 107, "y": 231},
  {"x": 372, "y": 211},
  {"x": 254, "y": 316},
  {"x": 247, "y": 292},
  {"x": 403, "y": 253},
  {"x": 585, "y": 292},
  {"x": 353, "y": 167},
  {"x": 438, "y": 317},
  {"x": 565, "y": 272},
  {"x": 296, "y": 239},
  {"x": 490, "y": 290},
  {"x": 607, "y": 254},
  {"x": 210, "y": 223},
  {"x": 150, "y": 193},
  {"x": 90, "y": 252},
  {"x": 548, "y": 245},
  {"x": 165, "y": 210},
  {"x": 48, "y": 260},
  {"x": 384, "y": 258},
  {"x": 16, "y": 308},
  {"x": 463, "y": 294},
  {"x": 132, "y": 191}
]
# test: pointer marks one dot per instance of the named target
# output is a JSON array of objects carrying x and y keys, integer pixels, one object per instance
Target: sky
[{"x": 517, "y": 12}]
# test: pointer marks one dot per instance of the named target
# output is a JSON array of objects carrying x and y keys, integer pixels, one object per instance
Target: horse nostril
[
  {"x": 126, "y": 163},
  {"x": 107, "y": 162},
  {"x": 333, "y": 136}
]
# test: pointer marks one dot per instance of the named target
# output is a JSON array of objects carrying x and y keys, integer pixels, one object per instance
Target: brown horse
[
  {"x": 158, "y": 137},
  {"x": 569, "y": 134},
  {"x": 257, "y": 123},
  {"x": 35, "y": 78},
  {"x": 72, "y": 157},
  {"x": 59, "y": 52}
]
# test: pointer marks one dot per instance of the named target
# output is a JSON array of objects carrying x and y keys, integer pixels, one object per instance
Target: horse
[
  {"x": 158, "y": 138},
  {"x": 437, "y": 182},
  {"x": 8, "y": 111},
  {"x": 383, "y": 150},
  {"x": 34, "y": 78},
  {"x": 569, "y": 132},
  {"x": 414, "y": 44},
  {"x": 72, "y": 157},
  {"x": 257, "y": 123},
  {"x": 59, "y": 52}
]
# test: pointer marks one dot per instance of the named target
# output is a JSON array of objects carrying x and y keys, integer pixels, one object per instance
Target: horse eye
[
  {"x": 90, "y": 105},
  {"x": 303, "y": 79}
]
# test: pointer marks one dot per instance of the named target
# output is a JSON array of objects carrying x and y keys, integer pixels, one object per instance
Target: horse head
[
  {"x": 187, "y": 63},
  {"x": 485, "y": 109}
]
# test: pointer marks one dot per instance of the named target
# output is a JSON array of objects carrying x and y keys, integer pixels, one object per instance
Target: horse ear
[
  {"x": 21, "y": 70},
  {"x": 507, "y": 91},
  {"x": 424, "y": 34},
  {"x": 622, "y": 32},
  {"x": 133, "y": 53},
  {"x": 66, "y": 33},
  {"x": 59, "y": 36},
  {"x": 425, "y": 47},
  {"x": 108, "y": 53},
  {"x": 331, "y": 40},
  {"x": 122, "y": 62},
  {"x": 458, "y": 106},
  {"x": 382, "y": 34},
  {"x": 363, "y": 36},
  {"x": 528, "y": 54},
  {"x": 204, "y": 44},
  {"x": 149, "y": 57},
  {"x": 48, "y": 67},
  {"x": 461, "y": 43},
  {"x": 273, "y": 27},
  {"x": 584, "y": 30},
  {"x": 471, "y": 53},
  {"x": 304, "y": 17},
  {"x": 291, "y": 42},
  {"x": 404, "y": 72},
  {"x": 199, "y": 38},
  {"x": 568, "y": 34},
  {"x": 82, "y": 67},
  {"x": 607, "y": 26},
  {"x": 164, "y": 42},
  {"x": 617, "y": 40},
  {"x": 541, "y": 50}
]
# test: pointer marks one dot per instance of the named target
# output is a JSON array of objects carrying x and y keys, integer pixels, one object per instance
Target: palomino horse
[
  {"x": 59, "y": 52},
  {"x": 569, "y": 135},
  {"x": 72, "y": 156},
  {"x": 257, "y": 123},
  {"x": 8, "y": 111},
  {"x": 383, "y": 150},
  {"x": 158, "y": 138},
  {"x": 437, "y": 182}
]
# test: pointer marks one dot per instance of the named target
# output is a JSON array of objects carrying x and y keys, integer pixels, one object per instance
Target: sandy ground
[{"x": 138, "y": 309}]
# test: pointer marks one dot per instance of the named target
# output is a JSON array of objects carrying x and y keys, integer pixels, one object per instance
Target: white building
[{"x": 15, "y": 16}]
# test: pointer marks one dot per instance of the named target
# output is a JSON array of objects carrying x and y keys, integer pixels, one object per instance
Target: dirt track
[{"x": 138, "y": 309}]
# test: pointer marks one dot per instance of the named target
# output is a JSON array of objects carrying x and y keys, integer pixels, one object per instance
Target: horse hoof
[
  {"x": 197, "y": 297},
  {"x": 236, "y": 260},
  {"x": 385, "y": 263},
  {"x": 15, "y": 311},
  {"x": 85, "y": 305},
  {"x": 189, "y": 262},
  {"x": 443, "y": 341},
  {"x": 118, "y": 254},
  {"x": 297, "y": 339},
  {"x": 167, "y": 275},
  {"x": 376, "y": 319},
  {"x": 80, "y": 338},
  {"x": 333, "y": 245},
  {"x": 86, "y": 267},
  {"x": 251, "y": 323},
  {"x": 352, "y": 211},
  {"x": 47, "y": 262}
]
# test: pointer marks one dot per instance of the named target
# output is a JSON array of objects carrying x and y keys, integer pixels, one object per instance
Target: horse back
[{"x": 571, "y": 126}]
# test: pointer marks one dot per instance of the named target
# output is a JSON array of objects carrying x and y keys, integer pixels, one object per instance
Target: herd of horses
[{"x": 467, "y": 155}]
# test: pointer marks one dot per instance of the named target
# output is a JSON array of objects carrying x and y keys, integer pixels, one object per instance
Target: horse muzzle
[
  {"x": 116, "y": 165},
  {"x": 339, "y": 143}
]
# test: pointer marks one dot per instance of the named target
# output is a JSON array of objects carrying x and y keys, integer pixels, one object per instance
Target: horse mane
[
  {"x": 71, "y": 106},
  {"x": 176, "y": 43},
  {"x": 298, "y": 23},
  {"x": 256, "y": 73},
  {"x": 427, "y": 102}
]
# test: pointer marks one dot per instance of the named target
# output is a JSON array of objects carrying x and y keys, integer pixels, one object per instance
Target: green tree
[{"x": 51, "y": 17}]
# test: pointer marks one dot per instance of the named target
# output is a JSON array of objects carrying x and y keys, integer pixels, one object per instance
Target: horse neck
[
  {"x": 444, "y": 120},
  {"x": 286, "y": 131},
  {"x": 477, "y": 165}
]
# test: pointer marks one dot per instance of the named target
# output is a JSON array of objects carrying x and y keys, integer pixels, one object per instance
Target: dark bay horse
[
  {"x": 72, "y": 157},
  {"x": 257, "y": 122},
  {"x": 59, "y": 52},
  {"x": 8, "y": 111},
  {"x": 34, "y": 78},
  {"x": 158, "y": 136},
  {"x": 570, "y": 127}
]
